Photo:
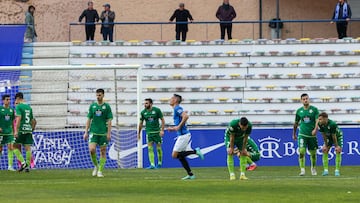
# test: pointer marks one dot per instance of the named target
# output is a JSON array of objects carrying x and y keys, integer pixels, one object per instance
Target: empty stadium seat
[
  {"x": 265, "y": 64},
  {"x": 305, "y": 40},
  {"x": 273, "y": 53},
  {"x": 178, "y": 65},
  {"x": 146, "y": 55},
  {"x": 237, "y": 100},
  {"x": 229, "y": 111},
  {"x": 210, "y": 88},
  {"x": 174, "y": 54},
  {"x": 223, "y": 99},
  {"x": 76, "y": 42},
  {"x": 222, "y": 64},
  {"x": 234, "y": 75},
  {"x": 207, "y": 65},
  {"x": 236, "y": 64},
  {"x": 177, "y": 76},
  {"x": 231, "y": 53}
]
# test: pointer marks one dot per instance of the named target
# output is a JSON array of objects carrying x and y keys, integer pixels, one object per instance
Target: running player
[
  {"x": 307, "y": 118},
  {"x": 25, "y": 125},
  {"x": 7, "y": 116},
  {"x": 332, "y": 135},
  {"x": 236, "y": 135},
  {"x": 99, "y": 122},
  {"x": 154, "y": 132},
  {"x": 181, "y": 148}
]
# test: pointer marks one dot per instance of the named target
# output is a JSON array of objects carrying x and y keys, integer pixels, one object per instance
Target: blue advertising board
[
  {"x": 276, "y": 146},
  {"x": 68, "y": 149}
]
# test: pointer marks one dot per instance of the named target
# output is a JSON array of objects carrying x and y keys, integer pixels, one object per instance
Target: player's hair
[
  {"x": 19, "y": 95},
  {"x": 30, "y": 7},
  {"x": 178, "y": 98},
  {"x": 304, "y": 95},
  {"x": 89, "y": 2},
  {"x": 5, "y": 96},
  {"x": 244, "y": 121},
  {"x": 149, "y": 100},
  {"x": 100, "y": 91},
  {"x": 324, "y": 115}
]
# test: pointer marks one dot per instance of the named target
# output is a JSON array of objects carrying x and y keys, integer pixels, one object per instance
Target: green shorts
[
  {"x": 237, "y": 144},
  {"x": 340, "y": 141},
  {"x": 309, "y": 142},
  {"x": 7, "y": 139},
  {"x": 100, "y": 140},
  {"x": 24, "y": 139},
  {"x": 154, "y": 137}
]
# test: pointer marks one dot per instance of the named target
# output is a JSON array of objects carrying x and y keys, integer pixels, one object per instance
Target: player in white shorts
[{"x": 182, "y": 148}]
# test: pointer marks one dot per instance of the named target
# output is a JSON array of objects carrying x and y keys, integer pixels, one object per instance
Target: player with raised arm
[
  {"x": 181, "y": 148},
  {"x": 307, "y": 118},
  {"x": 25, "y": 125},
  {"x": 332, "y": 135},
  {"x": 7, "y": 116},
  {"x": 154, "y": 131},
  {"x": 99, "y": 123},
  {"x": 236, "y": 135}
]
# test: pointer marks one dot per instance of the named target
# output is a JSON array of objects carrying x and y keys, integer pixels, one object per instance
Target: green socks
[
  {"x": 28, "y": 157},
  {"x": 243, "y": 164},
  {"x": 337, "y": 161},
  {"x": 248, "y": 160},
  {"x": 94, "y": 159},
  {"x": 312, "y": 157},
  {"x": 151, "y": 155},
  {"x": 19, "y": 155},
  {"x": 159, "y": 154},
  {"x": 230, "y": 163},
  {"x": 10, "y": 158},
  {"x": 102, "y": 164},
  {"x": 302, "y": 158},
  {"x": 325, "y": 160}
]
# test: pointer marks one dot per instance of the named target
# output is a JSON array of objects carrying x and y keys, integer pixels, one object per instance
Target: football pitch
[{"x": 265, "y": 184}]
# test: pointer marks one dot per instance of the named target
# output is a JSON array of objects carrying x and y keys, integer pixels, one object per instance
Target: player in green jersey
[
  {"x": 7, "y": 116},
  {"x": 307, "y": 118},
  {"x": 154, "y": 132},
  {"x": 332, "y": 135},
  {"x": 236, "y": 135},
  {"x": 99, "y": 122},
  {"x": 25, "y": 125}
]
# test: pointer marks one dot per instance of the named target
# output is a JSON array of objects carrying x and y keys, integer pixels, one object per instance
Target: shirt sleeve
[
  {"x": 109, "y": 113},
  {"x": 160, "y": 114}
]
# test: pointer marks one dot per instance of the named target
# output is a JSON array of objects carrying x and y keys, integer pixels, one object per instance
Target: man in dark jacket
[
  {"x": 342, "y": 15},
  {"x": 182, "y": 15},
  {"x": 107, "y": 28},
  {"x": 227, "y": 13},
  {"x": 91, "y": 15}
]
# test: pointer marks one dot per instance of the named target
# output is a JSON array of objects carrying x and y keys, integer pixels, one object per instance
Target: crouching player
[
  {"x": 332, "y": 135},
  {"x": 236, "y": 135},
  {"x": 253, "y": 154}
]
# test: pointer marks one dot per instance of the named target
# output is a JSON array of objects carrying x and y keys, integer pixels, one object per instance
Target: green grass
[{"x": 266, "y": 184}]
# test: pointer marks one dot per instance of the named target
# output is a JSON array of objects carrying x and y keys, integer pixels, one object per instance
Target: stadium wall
[{"x": 52, "y": 18}]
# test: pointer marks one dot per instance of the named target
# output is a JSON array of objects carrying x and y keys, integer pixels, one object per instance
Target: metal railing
[{"x": 301, "y": 27}]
